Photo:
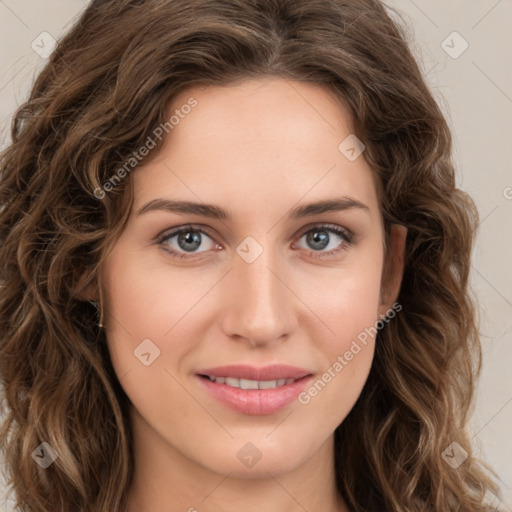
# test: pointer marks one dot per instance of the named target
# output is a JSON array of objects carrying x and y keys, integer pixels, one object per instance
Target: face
[{"x": 262, "y": 291}]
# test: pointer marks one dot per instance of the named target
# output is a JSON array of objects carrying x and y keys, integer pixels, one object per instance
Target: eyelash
[{"x": 337, "y": 230}]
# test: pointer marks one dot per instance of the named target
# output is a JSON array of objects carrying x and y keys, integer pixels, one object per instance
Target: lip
[{"x": 255, "y": 402}]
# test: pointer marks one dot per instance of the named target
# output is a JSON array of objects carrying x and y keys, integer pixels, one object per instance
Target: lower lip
[{"x": 255, "y": 401}]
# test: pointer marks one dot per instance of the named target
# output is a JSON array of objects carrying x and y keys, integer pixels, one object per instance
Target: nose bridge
[{"x": 260, "y": 305}]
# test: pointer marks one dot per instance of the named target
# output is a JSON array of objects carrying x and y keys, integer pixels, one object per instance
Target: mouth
[{"x": 254, "y": 391}]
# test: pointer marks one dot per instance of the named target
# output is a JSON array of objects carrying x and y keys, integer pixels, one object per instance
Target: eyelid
[
  {"x": 172, "y": 232},
  {"x": 347, "y": 233}
]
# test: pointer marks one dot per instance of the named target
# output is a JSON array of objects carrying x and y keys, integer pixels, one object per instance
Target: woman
[{"x": 316, "y": 346}]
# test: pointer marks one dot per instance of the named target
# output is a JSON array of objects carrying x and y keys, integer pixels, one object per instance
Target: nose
[{"x": 259, "y": 305}]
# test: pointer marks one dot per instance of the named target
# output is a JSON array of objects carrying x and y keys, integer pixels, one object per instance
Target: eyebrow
[{"x": 216, "y": 212}]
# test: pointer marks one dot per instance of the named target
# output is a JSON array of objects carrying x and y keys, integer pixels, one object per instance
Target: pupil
[
  {"x": 320, "y": 239},
  {"x": 189, "y": 238}
]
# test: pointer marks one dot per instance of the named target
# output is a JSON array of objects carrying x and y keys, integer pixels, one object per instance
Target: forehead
[
  {"x": 262, "y": 107},
  {"x": 257, "y": 142}
]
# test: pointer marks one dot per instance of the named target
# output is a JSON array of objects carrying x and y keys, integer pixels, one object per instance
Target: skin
[{"x": 258, "y": 149}]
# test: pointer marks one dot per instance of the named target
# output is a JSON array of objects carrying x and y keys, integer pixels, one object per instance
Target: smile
[{"x": 254, "y": 391}]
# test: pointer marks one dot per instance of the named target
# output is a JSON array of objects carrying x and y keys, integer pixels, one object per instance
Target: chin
[{"x": 247, "y": 461}]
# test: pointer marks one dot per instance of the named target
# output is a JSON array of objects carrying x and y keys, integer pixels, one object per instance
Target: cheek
[
  {"x": 148, "y": 302},
  {"x": 146, "y": 305},
  {"x": 347, "y": 300},
  {"x": 349, "y": 307}
]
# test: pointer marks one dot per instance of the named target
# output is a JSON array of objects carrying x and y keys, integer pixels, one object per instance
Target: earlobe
[{"x": 393, "y": 267}]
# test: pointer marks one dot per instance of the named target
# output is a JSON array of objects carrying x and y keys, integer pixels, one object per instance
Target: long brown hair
[{"x": 101, "y": 95}]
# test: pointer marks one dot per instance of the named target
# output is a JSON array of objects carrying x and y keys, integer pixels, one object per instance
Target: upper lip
[{"x": 271, "y": 372}]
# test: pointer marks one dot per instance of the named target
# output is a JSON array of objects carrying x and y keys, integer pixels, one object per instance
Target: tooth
[
  {"x": 251, "y": 384},
  {"x": 231, "y": 381},
  {"x": 267, "y": 384},
  {"x": 248, "y": 384}
]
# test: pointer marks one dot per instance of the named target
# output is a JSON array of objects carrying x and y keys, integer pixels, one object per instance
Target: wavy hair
[{"x": 100, "y": 96}]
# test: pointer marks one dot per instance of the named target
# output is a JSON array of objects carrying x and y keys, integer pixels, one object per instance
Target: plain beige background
[{"x": 465, "y": 50}]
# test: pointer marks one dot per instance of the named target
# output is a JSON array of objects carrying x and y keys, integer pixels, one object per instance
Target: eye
[
  {"x": 320, "y": 237},
  {"x": 187, "y": 239},
  {"x": 183, "y": 242}
]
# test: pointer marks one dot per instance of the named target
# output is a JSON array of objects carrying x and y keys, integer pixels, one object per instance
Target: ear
[
  {"x": 86, "y": 288},
  {"x": 393, "y": 270}
]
